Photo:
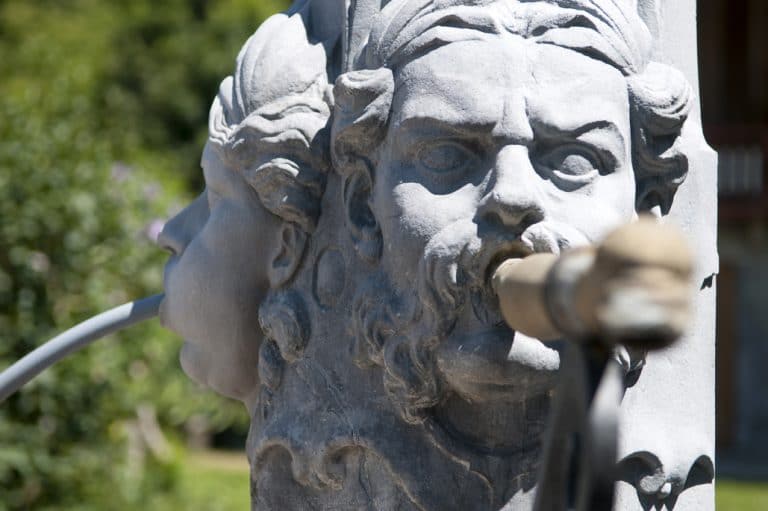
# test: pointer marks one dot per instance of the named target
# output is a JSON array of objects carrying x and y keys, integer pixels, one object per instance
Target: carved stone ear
[
  {"x": 286, "y": 255},
  {"x": 362, "y": 103},
  {"x": 661, "y": 100},
  {"x": 360, "y": 219}
]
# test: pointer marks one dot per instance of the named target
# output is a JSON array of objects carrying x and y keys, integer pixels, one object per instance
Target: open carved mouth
[
  {"x": 495, "y": 260},
  {"x": 484, "y": 301},
  {"x": 539, "y": 238}
]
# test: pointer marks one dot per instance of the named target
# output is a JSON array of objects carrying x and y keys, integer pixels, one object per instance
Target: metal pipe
[{"x": 77, "y": 337}]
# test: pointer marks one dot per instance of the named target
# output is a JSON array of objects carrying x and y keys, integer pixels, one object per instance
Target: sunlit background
[{"x": 103, "y": 114}]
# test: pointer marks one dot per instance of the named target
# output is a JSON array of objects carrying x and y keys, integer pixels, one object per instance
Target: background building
[{"x": 733, "y": 46}]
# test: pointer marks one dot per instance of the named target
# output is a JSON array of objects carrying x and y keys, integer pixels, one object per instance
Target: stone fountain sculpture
[{"x": 369, "y": 166}]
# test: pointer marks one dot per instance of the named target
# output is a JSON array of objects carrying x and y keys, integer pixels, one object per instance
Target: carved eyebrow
[
  {"x": 549, "y": 129},
  {"x": 584, "y": 133},
  {"x": 545, "y": 133},
  {"x": 424, "y": 124}
]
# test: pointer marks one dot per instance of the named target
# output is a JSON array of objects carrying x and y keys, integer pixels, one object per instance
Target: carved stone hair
[
  {"x": 269, "y": 122},
  {"x": 610, "y": 31},
  {"x": 268, "y": 119}
]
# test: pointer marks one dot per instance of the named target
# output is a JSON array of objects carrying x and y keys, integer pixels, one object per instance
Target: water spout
[{"x": 77, "y": 337}]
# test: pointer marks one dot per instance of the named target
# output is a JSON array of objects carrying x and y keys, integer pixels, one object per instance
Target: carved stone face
[
  {"x": 216, "y": 278},
  {"x": 505, "y": 147}
]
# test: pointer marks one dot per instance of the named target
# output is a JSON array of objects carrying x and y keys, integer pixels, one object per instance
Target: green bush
[{"x": 103, "y": 109}]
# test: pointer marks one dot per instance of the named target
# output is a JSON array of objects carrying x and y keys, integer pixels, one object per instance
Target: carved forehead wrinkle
[
  {"x": 574, "y": 90},
  {"x": 464, "y": 83},
  {"x": 473, "y": 84}
]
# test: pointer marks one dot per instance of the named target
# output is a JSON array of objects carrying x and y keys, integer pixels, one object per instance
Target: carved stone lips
[
  {"x": 480, "y": 272},
  {"x": 543, "y": 237}
]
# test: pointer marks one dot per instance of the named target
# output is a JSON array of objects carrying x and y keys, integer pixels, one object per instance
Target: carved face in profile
[
  {"x": 217, "y": 276},
  {"x": 242, "y": 240}
]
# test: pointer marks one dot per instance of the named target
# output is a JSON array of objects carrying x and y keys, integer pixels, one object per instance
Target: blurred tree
[{"x": 103, "y": 112}]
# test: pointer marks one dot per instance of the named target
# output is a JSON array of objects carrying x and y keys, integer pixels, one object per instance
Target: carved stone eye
[
  {"x": 447, "y": 157},
  {"x": 573, "y": 166}
]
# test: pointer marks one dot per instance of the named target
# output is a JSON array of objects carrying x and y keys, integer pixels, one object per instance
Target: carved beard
[{"x": 399, "y": 331}]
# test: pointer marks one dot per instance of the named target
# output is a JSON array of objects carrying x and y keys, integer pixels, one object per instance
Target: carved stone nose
[
  {"x": 513, "y": 200},
  {"x": 519, "y": 214},
  {"x": 168, "y": 241},
  {"x": 179, "y": 230}
]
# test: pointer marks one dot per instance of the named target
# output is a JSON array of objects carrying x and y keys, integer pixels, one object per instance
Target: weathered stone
[{"x": 336, "y": 274}]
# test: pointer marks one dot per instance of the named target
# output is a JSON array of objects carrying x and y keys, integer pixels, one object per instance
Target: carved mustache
[
  {"x": 543, "y": 237},
  {"x": 458, "y": 263}
]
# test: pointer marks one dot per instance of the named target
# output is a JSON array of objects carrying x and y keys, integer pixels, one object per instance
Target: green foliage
[
  {"x": 103, "y": 111},
  {"x": 741, "y": 496},
  {"x": 208, "y": 481}
]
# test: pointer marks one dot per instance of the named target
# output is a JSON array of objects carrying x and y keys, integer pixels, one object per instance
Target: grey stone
[{"x": 369, "y": 165}]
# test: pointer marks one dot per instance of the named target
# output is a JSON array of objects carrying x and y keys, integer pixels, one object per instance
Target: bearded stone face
[
  {"x": 481, "y": 162},
  {"x": 466, "y": 134}
]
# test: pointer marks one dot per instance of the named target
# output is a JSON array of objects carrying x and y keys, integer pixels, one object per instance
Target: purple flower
[
  {"x": 121, "y": 171},
  {"x": 153, "y": 229}
]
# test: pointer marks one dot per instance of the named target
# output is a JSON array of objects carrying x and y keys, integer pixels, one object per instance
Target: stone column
[{"x": 668, "y": 417}]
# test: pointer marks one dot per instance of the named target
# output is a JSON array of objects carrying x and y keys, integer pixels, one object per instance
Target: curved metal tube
[{"x": 79, "y": 336}]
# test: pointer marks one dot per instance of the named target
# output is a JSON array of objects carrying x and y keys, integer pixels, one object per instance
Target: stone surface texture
[{"x": 370, "y": 164}]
